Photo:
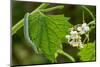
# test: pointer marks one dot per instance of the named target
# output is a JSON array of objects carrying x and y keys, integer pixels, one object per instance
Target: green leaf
[
  {"x": 88, "y": 52},
  {"x": 46, "y": 32}
]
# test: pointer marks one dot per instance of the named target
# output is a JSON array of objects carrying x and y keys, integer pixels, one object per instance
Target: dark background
[{"x": 23, "y": 54}]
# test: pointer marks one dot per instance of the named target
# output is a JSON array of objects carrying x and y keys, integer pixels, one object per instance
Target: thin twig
[
  {"x": 52, "y": 8},
  {"x": 67, "y": 55},
  {"x": 20, "y": 24},
  {"x": 89, "y": 12}
]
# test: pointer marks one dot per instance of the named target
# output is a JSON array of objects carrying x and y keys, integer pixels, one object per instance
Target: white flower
[
  {"x": 74, "y": 39},
  {"x": 76, "y": 43},
  {"x": 80, "y": 45},
  {"x": 84, "y": 24},
  {"x": 83, "y": 29},
  {"x": 73, "y": 43},
  {"x": 79, "y": 29},
  {"x": 73, "y": 32},
  {"x": 74, "y": 35},
  {"x": 86, "y": 29}
]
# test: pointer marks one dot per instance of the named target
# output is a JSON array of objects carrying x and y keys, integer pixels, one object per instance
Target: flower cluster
[{"x": 74, "y": 39}]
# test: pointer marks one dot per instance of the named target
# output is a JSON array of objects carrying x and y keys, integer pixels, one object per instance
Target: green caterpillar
[{"x": 26, "y": 32}]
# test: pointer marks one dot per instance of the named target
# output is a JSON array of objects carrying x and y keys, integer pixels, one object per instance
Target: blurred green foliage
[
  {"x": 88, "y": 52},
  {"x": 23, "y": 54}
]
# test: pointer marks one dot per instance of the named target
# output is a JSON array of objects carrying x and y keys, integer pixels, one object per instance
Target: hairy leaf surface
[{"x": 47, "y": 31}]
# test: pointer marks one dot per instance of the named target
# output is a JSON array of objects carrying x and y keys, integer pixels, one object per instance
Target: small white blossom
[
  {"x": 74, "y": 39},
  {"x": 84, "y": 25},
  {"x": 86, "y": 29},
  {"x": 83, "y": 29},
  {"x": 73, "y": 43},
  {"x": 79, "y": 29},
  {"x": 73, "y": 32},
  {"x": 76, "y": 43},
  {"x": 74, "y": 35}
]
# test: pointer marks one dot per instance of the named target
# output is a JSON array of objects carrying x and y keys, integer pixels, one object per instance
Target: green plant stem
[
  {"x": 20, "y": 24},
  {"x": 86, "y": 38},
  {"x": 42, "y": 6},
  {"x": 83, "y": 18},
  {"x": 67, "y": 55},
  {"x": 52, "y": 8},
  {"x": 17, "y": 26},
  {"x": 89, "y": 12},
  {"x": 92, "y": 22}
]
